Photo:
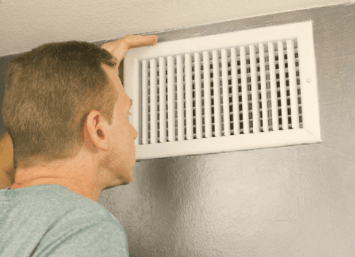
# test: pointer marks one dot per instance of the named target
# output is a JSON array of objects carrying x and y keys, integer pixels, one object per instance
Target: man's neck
[{"x": 82, "y": 183}]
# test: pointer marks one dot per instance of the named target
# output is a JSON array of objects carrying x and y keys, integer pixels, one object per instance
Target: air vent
[{"x": 234, "y": 91}]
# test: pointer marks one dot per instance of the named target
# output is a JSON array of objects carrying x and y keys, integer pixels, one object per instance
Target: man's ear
[{"x": 96, "y": 132}]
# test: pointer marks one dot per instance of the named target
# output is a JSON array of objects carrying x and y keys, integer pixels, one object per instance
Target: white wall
[{"x": 25, "y": 25}]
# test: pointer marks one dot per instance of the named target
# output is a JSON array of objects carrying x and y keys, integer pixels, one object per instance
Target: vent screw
[{"x": 309, "y": 80}]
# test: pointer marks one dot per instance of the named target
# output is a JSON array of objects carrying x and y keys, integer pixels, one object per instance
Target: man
[
  {"x": 7, "y": 171},
  {"x": 51, "y": 208}
]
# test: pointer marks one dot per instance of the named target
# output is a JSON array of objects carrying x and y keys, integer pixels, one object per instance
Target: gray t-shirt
[{"x": 51, "y": 220}]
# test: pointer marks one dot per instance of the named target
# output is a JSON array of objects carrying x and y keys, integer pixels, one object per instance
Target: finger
[
  {"x": 135, "y": 41},
  {"x": 119, "y": 47}
]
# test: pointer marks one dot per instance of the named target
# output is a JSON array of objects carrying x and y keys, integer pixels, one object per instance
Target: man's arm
[{"x": 7, "y": 171}]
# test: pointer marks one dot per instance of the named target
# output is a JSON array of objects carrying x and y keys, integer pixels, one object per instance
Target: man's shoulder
[
  {"x": 60, "y": 220},
  {"x": 59, "y": 199}
]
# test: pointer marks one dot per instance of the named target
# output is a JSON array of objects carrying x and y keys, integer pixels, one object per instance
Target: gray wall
[{"x": 289, "y": 201}]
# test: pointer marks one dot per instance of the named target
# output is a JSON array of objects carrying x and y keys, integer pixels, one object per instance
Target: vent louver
[{"x": 233, "y": 91}]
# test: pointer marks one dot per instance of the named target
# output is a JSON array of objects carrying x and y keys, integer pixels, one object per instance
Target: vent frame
[{"x": 301, "y": 33}]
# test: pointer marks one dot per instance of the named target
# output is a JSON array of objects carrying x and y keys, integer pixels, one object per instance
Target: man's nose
[{"x": 135, "y": 133}]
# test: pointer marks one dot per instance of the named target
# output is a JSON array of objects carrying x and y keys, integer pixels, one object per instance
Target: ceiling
[{"x": 26, "y": 24}]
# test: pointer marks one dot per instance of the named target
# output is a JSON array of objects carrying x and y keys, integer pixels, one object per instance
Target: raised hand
[{"x": 119, "y": 47}]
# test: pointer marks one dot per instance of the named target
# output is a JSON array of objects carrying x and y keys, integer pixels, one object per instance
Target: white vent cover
[{"x": 233, "y": 91}]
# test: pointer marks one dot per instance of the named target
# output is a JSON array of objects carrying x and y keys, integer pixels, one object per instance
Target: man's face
[{"x": 122, "y": 149}]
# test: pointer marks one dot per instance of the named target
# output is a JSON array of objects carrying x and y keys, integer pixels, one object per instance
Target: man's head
[{"x": 58, "y": 94}]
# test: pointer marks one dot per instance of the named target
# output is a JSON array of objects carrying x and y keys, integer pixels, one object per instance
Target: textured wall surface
[
  {"x": 25, "y": 25},
  {"x": 289, "y": 201}
]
